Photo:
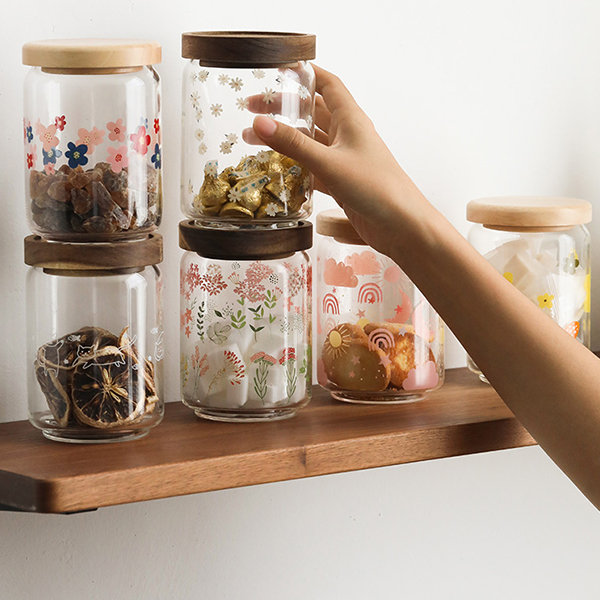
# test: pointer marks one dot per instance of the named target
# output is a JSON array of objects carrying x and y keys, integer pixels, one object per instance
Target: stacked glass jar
[
  {"x": 93, "y": 189},
  {"x": 245, "y": 276},
  {"x": 541, "y": 246}
]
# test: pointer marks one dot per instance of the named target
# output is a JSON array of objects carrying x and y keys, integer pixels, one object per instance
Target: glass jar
[
  {"x": 228, "y": 177},
  {"x": 92, "y": 136},
  {"x": 94, "y": 339},
  {"x": 379, "y": 340},
  {"x": 542, "y": 246},
  {"x": 245, "y": 322}
]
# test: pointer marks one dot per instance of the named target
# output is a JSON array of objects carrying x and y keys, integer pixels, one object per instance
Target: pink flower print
[
  {"x": 156, "y": 126},
  {"x": 187, "y": 331},
  {"x": 49, "y": 169},
  {"x": 182, "y": 320},
  {"x": 31, "y": 159},
  {"x": 188, "y": 315},
  {"x": 116, "y": 131},
  {"x": 117, "y": 158},
  {"x": 90, "y": 138},
  {"x": 60, "y": 122},
  {"x": 47, "y": 136},
  {"x": 140, "y": 140}
]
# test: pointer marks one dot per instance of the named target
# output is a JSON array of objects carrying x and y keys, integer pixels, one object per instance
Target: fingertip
[{"x": 265, "y": 127}]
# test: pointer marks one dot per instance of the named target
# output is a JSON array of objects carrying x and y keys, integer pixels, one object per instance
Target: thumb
[{"x": 291, "y": 142}]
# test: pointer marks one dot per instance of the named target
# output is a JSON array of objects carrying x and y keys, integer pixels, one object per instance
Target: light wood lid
[
  {"x": 335, "y": 223},
  {"x": 247, "y": 48},
  {"x": 522, "y": 212},
  {"x": 91, "y": 54}
]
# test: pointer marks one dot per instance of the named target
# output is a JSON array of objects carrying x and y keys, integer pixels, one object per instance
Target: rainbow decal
[
  {"x": 330, "y": 324},
  {"x": 370, "y": 293},
  {"x": 331, "y": 305},
  {"x": 381, "y": 338}
]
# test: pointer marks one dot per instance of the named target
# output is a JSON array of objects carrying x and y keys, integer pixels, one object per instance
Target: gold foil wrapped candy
[{"x": 267, "y": 185}]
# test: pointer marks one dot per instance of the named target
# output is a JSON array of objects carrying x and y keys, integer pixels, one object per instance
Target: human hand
[{"x": 349, "y": 160}]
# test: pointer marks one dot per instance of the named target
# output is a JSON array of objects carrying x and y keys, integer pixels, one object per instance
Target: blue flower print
[
  {"x": 51, "y": 156},
  {"x": 29, "y": 133},
  {"x": 76, "y": 154},
  {"x": 156, "y": 157}
]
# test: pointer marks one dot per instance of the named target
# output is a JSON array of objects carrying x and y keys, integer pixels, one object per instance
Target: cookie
[
  {"x": 397, "y": 341},
  {"x": 351, "y": 363}
]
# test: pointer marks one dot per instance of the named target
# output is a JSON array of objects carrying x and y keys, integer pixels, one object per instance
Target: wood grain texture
[{"x": 186, "y": 455}]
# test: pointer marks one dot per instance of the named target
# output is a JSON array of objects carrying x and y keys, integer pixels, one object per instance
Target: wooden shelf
[{"x": 186, "y": 455}]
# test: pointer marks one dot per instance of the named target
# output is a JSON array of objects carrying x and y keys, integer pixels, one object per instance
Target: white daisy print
[
  {"x": 309, "y": 121},
  {"x": 285, "y": 195},
  {"x": 202, "y": 148},
  {"x": 242, "y": 103},
  {"x": 303, "y": 92},
  {"x": 195, "y": 98},
  {"x": 211, "y": 168},
  {"x": 199, "y": 115},
  {"x": 234, "y": 195},
  {"x": 223, "y": 79},
  {"x": 258, "y": 73},
  {"x": 236, "y": 83},
  {"x": 268, "y": 96},
  {"x": 232, "y": 138},
  {"x": 203, "y": 75},
  {"x": 226, "y": 147},
  {"x": 263, "y": 156},
  {"x": 216, "y": 109},
  {"x": 199, "y": 134},
  {"x": 272, "y": 209}
]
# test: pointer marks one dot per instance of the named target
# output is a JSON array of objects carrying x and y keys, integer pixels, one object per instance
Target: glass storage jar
[
  {"x": 92, "y": 138},
  {"x": 379, "y": 340},
  {"x": 94, "y": 339},
  {"x": 245, "y": 321},
  {"x": 228, "y": 177},
  {"x": 542, "y": 246}
]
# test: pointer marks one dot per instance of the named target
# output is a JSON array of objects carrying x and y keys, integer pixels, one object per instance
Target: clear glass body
[
  {"x": 245, "y": 337},
  {"x": 552, "y": 268},
  {"x": 94, "y": 354},
  {"x": 379, "y": 340},
  {"x": 228, "y": 178},
  {"x": 92, "y": 154}
]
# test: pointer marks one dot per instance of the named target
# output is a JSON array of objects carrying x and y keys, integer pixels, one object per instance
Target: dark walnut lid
[
  {"x": 248, "y": 48},
  {"x": 96, "y": 256},
  {"x": 245, "y": 244}
]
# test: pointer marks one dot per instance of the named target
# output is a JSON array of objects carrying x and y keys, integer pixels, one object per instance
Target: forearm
[{"x": 548, "y": 379}]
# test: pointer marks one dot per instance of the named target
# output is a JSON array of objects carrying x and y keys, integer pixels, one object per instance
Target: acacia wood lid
[
  {"x": 529, "y": 212},
  {"x": 96, "y": 256},
  {"x": 91, "y": 54},
  {"x": 247, "y": 48},
  {"x": 245, "y": 244},
  {"x": 335, "y": 223}
]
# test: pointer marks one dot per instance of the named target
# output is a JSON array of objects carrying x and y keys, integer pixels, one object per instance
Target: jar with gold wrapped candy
[
  {"x": 93, "y": 139},
  {"x": 228, "y": 176},
  {"x": 95, "y": 338},
  {"x": 379, "y": 340},
  {"x": 245, "y": 321}
]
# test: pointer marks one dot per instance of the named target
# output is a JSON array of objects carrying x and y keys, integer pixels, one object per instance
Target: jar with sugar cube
[
  {"x": 542, "y": 246},
  {"x": 245, "y": 321},
  {"x": 229, "y": 177}
]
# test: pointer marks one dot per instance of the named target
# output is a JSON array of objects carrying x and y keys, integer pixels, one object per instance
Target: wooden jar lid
[
  {"x": 245, "y": 244},
  {"x": 335, "y": 223},
  {"x": 96, "y": 256},
  {"x": 523, "y": 213},
  {"x": 91, "y": 55},
  {"x": 247, "y": 48}
]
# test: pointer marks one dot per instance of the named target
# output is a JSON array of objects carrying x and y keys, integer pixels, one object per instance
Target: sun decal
[{"x": 337, "y": 342}]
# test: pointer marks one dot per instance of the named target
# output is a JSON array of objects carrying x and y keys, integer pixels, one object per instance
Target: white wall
[{"x": 475, "y": 98}]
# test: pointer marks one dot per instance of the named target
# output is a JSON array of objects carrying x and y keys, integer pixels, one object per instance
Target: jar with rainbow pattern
[{"x": 379, "y": 340}]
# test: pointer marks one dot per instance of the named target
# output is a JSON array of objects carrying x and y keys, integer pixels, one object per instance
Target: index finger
[{"x": 334, "y": 92}]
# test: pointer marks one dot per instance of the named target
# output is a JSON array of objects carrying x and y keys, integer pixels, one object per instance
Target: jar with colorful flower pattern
[
  {"x": 541, "y": 246},
  {"x": 245, "y": 321},
  {"x": 379, "y": 340},
  {"x": 95, "y": 338},
  {"x": 229, "y": 177},
  {"x": 93, "y": 139}
]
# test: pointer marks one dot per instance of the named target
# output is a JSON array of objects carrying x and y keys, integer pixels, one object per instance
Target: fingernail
[{"x": 265, "y": 127}]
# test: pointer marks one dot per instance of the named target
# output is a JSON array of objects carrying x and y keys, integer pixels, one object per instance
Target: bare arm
[{"x": 548, "y": 379}]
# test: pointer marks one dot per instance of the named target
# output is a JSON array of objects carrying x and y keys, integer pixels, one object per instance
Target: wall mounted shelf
[{"x": 186, "y": 455}]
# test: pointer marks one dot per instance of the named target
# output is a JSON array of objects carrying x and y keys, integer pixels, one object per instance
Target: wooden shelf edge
[{"x": 464, "y": 417}]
